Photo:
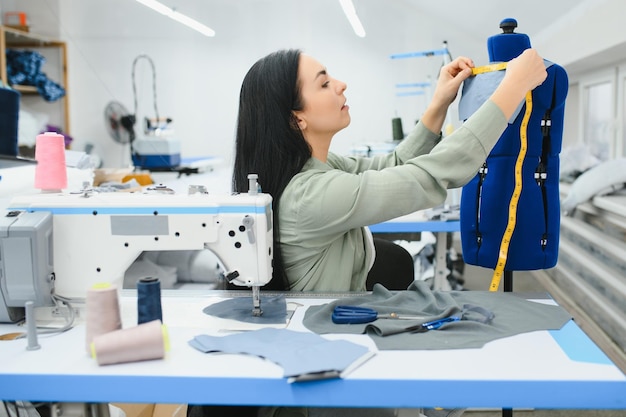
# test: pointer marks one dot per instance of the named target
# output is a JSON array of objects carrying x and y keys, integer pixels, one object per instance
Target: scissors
[
  {"x": 435, "y": 324},
  {"x": 357, "y": 315}
]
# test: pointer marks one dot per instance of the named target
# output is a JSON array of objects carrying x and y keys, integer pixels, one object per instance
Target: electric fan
[{"x": 120, "y": 125}]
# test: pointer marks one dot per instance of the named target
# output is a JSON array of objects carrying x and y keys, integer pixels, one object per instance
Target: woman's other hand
[
  {"x": 527, "y": 70},
  {"x": 523, "y": 74}
]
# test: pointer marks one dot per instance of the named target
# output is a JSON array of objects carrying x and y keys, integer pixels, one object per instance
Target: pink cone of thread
[
  {"x": 140, "y": 343},
  {"x": 102, "y": 312},
  {"x": 51, "y": 172}
]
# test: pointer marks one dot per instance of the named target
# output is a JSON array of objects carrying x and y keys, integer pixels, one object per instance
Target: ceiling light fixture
[
  {"x": 179, "y": 17},
  {"x": 350, "y": 12}
]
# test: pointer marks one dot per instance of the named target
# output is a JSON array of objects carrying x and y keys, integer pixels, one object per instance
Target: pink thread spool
[
  {"x": 143, "y": 342},
  {"x": 50, "y": 173},
  {"x": 102, "y": 312}
]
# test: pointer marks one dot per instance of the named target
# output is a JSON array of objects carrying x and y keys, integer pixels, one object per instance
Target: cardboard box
[{"x": 152, "y": 410}]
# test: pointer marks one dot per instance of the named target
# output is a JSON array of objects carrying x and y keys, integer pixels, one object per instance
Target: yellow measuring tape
[
  {"x": 489, "y": 68},
  {"x": 517, "y": 190}
]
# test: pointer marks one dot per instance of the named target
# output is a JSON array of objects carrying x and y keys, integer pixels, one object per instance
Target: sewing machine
[{"x": 66, "y": 243}]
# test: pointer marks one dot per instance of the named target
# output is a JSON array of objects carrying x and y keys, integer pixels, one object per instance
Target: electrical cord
[
  {"x": 71, "y": 314},
  {"x": 70, "y": 320},
  {"x": 154, "y": 94}
]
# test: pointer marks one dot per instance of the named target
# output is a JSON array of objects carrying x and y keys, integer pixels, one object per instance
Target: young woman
[{"x": 291, "y": 107}]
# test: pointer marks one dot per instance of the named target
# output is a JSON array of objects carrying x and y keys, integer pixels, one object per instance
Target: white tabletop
[{"x": 544, "y": 369}]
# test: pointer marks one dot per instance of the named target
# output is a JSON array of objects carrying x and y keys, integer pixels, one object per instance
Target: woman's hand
[
  {"x": 527, "y": 70},
  {"x": 450, "y": 79},
  {"x": 523, "y": 74},
  {"x": 451, "y": 76}
]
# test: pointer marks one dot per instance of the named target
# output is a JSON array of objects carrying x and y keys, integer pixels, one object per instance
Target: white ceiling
[{"x": 481, "y": 18}]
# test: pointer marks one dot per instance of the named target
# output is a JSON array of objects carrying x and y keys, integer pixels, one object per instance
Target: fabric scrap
[
  {"x": 298, "y": 353},
  {"x": 512, "y": 315},
  {"x": 240, "y": 308}
]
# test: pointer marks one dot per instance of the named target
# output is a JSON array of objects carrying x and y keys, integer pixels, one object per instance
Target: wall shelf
[{"x": 11, "y": 38}]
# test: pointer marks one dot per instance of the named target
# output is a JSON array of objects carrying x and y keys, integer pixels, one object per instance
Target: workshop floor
[{"x": 477, "y": 278}]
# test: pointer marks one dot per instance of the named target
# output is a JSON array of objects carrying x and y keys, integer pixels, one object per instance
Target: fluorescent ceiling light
[
  {"x": 350, "y": 12},
  {"x": 179, "y": 17}
]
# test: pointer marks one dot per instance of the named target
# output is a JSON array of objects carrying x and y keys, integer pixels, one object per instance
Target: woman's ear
[{"x": 298, "y": 121}]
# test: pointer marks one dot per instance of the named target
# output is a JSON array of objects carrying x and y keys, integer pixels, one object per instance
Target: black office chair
[{"x": 393, "y": 267}]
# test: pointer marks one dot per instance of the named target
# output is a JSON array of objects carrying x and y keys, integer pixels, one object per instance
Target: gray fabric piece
[
  {"x": 513, "y": 315},
  {"x": 299, "y": 353},
  {"x": 240, "y": 308}
]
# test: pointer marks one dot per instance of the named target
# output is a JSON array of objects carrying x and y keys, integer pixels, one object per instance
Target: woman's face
[{"x": 325, "y": 111}]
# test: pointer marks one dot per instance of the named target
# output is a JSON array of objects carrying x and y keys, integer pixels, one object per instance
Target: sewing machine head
[{"x": 94, "y": 237}]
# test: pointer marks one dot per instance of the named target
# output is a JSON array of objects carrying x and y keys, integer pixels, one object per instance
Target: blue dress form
[{"x": 485, "y": 199}]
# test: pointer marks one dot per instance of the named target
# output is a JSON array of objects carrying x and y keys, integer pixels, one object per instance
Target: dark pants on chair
[{"x": 393, "y": 267}]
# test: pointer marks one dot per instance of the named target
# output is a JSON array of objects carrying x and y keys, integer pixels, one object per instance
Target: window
[
  {"x": 598, "y": 113},
  {"x": 620, "y": 149}
]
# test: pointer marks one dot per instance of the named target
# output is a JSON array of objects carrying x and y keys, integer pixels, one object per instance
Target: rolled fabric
[{"x": 9, "y": 116}]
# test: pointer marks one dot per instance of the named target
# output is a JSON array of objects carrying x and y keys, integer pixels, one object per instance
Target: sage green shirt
[{"x": 325, "y": 207}]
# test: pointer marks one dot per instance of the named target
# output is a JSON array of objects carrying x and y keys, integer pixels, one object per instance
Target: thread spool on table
[
  {"x": 396, "y": 127},
  {"x": 102, "y": 312},
  {"x": 146, "y": 341},
  {"x": 149, "y": 300},
  {"x": 51, "y": 172}
]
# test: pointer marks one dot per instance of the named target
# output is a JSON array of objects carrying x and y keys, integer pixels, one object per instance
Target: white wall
[
  {"x": 590, "y": 43},
  {"x": 198, "y": 78},
  {"x": 586, "y": 36}
]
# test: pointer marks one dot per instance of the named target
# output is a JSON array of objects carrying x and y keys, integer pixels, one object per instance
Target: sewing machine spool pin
[
  {"x": 248, "y": 222},
  {"x": 253, "y": 185},
  {"x": 31, "y": 327},
  {"x": 256, "y": 301}
]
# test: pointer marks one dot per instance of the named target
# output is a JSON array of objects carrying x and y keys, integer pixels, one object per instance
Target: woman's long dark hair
[{"x": 269, "y": 142}]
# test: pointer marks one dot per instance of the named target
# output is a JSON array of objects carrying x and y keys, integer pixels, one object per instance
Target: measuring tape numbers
[
  {"x": 489, "y": 68},
  {"x": 517, "y": 190}
]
